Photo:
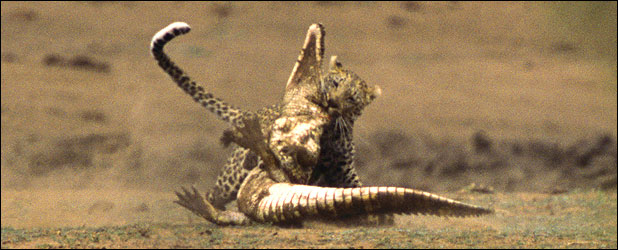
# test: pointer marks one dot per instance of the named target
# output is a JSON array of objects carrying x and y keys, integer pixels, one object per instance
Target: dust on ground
[{"x": 492, "y": 97}]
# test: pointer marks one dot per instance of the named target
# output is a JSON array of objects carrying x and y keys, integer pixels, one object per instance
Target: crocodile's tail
[
  {"x": 290, "y": 203},
  {"x": 223, "y": 110}
]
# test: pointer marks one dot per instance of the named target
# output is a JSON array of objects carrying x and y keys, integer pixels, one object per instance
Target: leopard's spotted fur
[
  {"x": 223, "y": 110},
  {"x": 341, "y": 92}
]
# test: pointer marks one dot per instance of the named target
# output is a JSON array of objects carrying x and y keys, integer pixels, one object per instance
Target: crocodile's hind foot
[{"x": 193, "y": 200}]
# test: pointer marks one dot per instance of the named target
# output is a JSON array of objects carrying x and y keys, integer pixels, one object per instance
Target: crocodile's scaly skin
[{"x": 264, "y": 200}]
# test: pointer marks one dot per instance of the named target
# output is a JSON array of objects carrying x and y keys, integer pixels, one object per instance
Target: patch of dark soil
[
  {"x": 95, "y": 116},
  {"x": 396, "y": 22},
  {"x": 9, "y": 57},
  {"x": 222, "y": 10},
  {"x": 563, "y": 48},
  {"x": 507, "y": 165},
  {"x": 412, "y": 6},
  {"x": 76, "y": 152},
  {"x": 24, "y": 15},
  {"x": 77, "y": 62}
]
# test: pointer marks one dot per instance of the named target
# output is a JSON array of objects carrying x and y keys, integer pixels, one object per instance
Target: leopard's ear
[
  {"x": 334, "y": 65},
  {"x": 309, "y": 64}
]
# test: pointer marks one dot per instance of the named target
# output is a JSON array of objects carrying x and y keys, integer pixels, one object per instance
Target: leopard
[{"x": 340, "y": 95}]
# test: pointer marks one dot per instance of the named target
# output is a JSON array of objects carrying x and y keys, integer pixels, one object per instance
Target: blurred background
[{"x": 506, "y": 96}]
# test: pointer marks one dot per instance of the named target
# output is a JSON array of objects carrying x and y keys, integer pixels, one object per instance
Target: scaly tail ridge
[
  {"x": 223, "y": 110},
  {"x": 289, "y": 203}
]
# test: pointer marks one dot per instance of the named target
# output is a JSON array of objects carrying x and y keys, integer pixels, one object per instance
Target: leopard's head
[{"x": 346, "y": 93}]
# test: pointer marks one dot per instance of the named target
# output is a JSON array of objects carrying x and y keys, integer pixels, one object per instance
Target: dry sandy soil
[{"x": 518, "y": 99}]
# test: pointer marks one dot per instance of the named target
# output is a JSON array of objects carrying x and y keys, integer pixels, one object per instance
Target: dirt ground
[{"x": 508, "y": 105}]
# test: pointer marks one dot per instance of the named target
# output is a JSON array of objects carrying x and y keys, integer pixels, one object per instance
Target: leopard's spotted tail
[
  {"x": 289, "y": 203},
  {"x": 223, "y": 110}
]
